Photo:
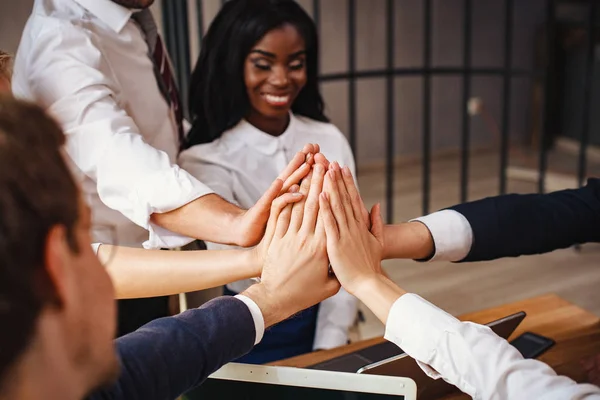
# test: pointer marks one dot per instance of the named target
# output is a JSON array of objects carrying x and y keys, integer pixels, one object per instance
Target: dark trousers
[{"x": 134, "y": 313}]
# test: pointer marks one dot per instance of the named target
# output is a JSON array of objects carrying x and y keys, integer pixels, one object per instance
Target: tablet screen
[{"x": 227, "y": 389}]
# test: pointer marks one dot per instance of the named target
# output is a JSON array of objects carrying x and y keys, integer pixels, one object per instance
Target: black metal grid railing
[{"x": 175, "y": 14}]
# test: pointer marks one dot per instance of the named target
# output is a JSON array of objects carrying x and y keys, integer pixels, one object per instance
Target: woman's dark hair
[{"x": 218, "y": 97}]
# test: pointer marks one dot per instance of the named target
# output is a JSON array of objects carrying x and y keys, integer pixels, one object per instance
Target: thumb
[
  {"x": 377, "y": 222},
  {"x": 263, "y": 205}
]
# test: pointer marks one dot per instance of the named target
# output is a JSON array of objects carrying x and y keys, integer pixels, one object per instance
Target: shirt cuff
[
  {"x": 96, "y": 247},
  {"x": 162, "y": 192},
  {"x": 416, "y": 325},
  {"x": 259, "y": 321},
  {"x": 452, "y": 234}
]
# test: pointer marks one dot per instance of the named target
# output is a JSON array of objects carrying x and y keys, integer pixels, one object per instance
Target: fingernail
[
  {"x": 346, "y": 171},
  {"x": 332, "y": 174},
  {"x": 318, "y": 168},
  {"x": 294, "y": 189},
  {"x": 336, "y": 165},
  {"x": 296, "y": 194}
]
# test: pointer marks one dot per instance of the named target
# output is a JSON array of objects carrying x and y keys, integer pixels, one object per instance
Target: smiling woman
[
  {"x": 255, "y": 101},
  {"x": 259, "y": 59}
]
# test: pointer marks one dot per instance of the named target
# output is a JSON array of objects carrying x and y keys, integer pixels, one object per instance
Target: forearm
[
  {"x": 208, "y": 218},
  {"x": 378, "y": 293},
  {"x": 411, "y": 240},
  {"x": 140, "y": 273},
  {"x": 471, "y": 356}
]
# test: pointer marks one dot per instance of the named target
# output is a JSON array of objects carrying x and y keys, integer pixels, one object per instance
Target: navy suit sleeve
[
  {"x": 514, "y": 225},
  {"x": 170, "y": 356}
]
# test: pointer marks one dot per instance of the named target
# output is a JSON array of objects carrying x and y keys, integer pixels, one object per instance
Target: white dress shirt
[
  {"x": 242, "y": 164},
  {"x": 86, "y": 62},
  {"x": 473, "y": 358}
]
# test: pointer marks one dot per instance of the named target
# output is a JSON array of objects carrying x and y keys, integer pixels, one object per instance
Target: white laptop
[{"x": 259, "y": 382}]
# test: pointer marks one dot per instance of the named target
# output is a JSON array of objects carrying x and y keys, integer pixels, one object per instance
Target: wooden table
[{"x": 575, "y": 330}]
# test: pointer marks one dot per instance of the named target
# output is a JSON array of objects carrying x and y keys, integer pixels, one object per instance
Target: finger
[
  {"x": 283, "y": 222},
  {"x": 321, "y": 159},
  {"x": 296, "y": 177},
  {"x": 358, "y": 206},
  {"x": 343, "y": 192},
  {"x": 309, "y": 148},
  {"x": 328, "y": 220},
  {"x": 311, "y": 207},
  {"x": 298, "y": 209},
  {"x": 276, "y": 209},
  {"x": 296, "y": 169},
  {"x": 335, "y": 200},
  {"x": 261, "y": 210},
  {"x": 377, "y": 222}
]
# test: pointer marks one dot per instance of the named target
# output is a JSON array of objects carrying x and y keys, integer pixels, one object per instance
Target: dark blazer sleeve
[
  {"x": 514, "y": 225},
  {"x": 170, "y": 356}
]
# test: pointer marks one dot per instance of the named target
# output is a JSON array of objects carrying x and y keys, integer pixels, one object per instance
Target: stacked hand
[
  {"x": 250, "y": 224},
  {"x": 327, "y": 223},
  {"x": 295, "y": 274}
]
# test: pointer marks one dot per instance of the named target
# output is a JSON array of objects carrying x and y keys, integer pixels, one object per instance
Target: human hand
[
  {"x": 249, "y": 225},
  {"x": 346, "y": 175},
  {"x": 354, "y": 251},
  {"x": 295, "y": 275}
]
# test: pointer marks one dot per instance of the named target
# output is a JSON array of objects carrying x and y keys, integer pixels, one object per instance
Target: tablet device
[{"x": 259, "y": 382}]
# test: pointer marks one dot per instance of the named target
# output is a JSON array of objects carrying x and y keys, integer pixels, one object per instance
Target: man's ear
[{"x": 57, "y": 260}]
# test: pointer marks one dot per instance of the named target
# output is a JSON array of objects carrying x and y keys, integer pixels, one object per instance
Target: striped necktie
[{"x": 162, "y": 67}]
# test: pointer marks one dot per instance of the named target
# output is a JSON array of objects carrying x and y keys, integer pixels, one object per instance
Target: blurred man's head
[
  {"x": 56, "y": 300},
  {"x": 5, "y": 71}
]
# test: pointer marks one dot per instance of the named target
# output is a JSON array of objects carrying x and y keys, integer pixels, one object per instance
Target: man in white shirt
[
  {"x": 467, "y": 355},
  {"x": 99, "y": 68}
]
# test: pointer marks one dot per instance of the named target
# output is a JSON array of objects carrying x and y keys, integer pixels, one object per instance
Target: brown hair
[
  {"x": 37, "y": 192},
  {"x": 5, "y": 65}
]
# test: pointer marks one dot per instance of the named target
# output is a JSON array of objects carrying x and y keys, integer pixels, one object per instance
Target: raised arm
[
  {"x": 170, "y": 356},
  {"x": 104, "y": 143},
  {"x": 467, "y": 355},
  {"x": 503, "y": 226}
]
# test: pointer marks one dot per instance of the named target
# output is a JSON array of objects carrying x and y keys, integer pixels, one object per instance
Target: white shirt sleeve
[
  {"x": 259, "y": 320},
  {"x": 96, "y": 247},
  {"x": 68, "y": 75},
  {"x": 472, "y": 357},
  {"x": 218, "y": 178},
  {"x": 451, "y": 232},
  {"x": 336, "y": 316}
]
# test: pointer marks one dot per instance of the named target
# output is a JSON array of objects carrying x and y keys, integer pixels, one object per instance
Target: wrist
[
  {"x": 270, "y": 307},
  {"x": 409, "y": 240},
  {"x": 364, "y": 285},
  {"x": 253, "y": 259},
  {"x": 379, "y": 293}
]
